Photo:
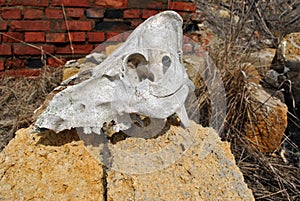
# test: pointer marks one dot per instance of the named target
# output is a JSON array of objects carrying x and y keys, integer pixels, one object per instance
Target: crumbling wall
[{"x": 43, "y": 24}]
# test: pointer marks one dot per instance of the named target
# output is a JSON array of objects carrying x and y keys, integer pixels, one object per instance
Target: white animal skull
[{"x": 144, "y": 76}]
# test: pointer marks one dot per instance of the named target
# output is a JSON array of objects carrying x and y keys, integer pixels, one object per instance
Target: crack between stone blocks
[{"x": 104, "y": 183}]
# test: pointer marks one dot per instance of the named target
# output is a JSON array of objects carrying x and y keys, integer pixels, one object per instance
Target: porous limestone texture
[
  {"x": 206, "y": 171},
  {"x": 49, "y": 166},
  {"x": 267, "y": 125},
  {"x": 291, "y": 46}
]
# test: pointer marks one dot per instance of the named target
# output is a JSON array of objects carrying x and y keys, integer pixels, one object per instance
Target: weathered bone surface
[{"x": 144, "y": 76}]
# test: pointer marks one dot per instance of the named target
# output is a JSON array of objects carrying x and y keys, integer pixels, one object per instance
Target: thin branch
[
  {"x": 69, "y": 34},
  {"x": 33, "y": 46},
  {"x": 266, "y": 28}
]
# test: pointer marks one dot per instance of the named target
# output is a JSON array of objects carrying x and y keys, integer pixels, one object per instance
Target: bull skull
[{"x": 144, "y": 76}]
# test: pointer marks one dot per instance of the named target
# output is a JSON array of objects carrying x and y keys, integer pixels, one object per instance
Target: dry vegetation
[
  {"x": 20, "y": 96},
  {"x": 251, "y": 25}
]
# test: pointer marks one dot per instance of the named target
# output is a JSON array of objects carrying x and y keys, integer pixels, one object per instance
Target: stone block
[{"x": 266, "y": 126}]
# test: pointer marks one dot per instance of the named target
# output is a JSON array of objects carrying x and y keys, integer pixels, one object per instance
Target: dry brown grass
[
  {"x": 20, "y": 96},
  {"x": 269, "y": 177}
]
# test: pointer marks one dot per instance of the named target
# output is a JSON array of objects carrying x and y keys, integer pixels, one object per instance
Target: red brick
[
  {"x": 126, "y": 34},
  {"x": 111, "y": 3},
  {"x": 56, "y": 62},
  {"x": 5, "y": 49},
  {"x": 95, "y": 13},
  {"x": 3, "y": 26},
  {"x": 2, "y": 64},
  {"x": 34, "y": 37},
  {"x": 78, "y": 49},
  {"x": 114, "y": 37},
  {"x": 148, "y": 13},
  {"x": 22, "y": 72},
  {"x": 20, "y": 49},
  {"x": 73, "y": 3},
  {"x": 96, "y": 36},
  {"x": 155, "y": 5},
  {"x": 15, "y": 64},
  {"x": 26, "y": 50},
  {"x": 12, "y": 37},
  {"x": 33, "y": 14},
  {"x": 11, "y": 13},
  {"x": 56, "y": 37},
  {"x": 101, "y": 47},
  {"x": 2, "y": 2},
  {"x": 184, "y": 6},
  {"x": 54, "y": 13},
  {"x": 185, "y": 15},
  {"x": 49, "y": 48},
  {"x": 75, "y": 25},
  {"x": 29, "y": 25},
  {"x": 132, "y": 13},
  {"x": 77, "y": 36},
  {"x": 136, "y": 23},
  {"x": 28, "y": 2},
  {"x": 75, "y": 12}
]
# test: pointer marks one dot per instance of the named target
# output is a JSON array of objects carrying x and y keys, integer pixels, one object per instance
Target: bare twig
[
  {"x": 35, "y": 47},
  {"x": 69, "y": 34}
]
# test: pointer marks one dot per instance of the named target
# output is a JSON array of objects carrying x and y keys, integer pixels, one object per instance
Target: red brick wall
[{"x": 41, "y": 23}]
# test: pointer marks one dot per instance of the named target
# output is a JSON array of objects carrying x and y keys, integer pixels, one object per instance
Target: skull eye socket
[
  {"x": 166, "y": 61},
  {"x": 137, "y": 65},
  {"x": 136, "y": 59}
]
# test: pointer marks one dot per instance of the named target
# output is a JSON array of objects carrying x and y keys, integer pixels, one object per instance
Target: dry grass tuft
[{"x": 20, "y": 96}]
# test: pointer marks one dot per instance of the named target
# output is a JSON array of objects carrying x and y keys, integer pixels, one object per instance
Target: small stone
[
  {"x": 95, "y": 58},
  {"x": 272, "y": 78},
  {"x": 267, "y": 126}
]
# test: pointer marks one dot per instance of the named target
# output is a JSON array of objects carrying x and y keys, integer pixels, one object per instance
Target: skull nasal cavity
[{"x": 166, "y": 61}]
